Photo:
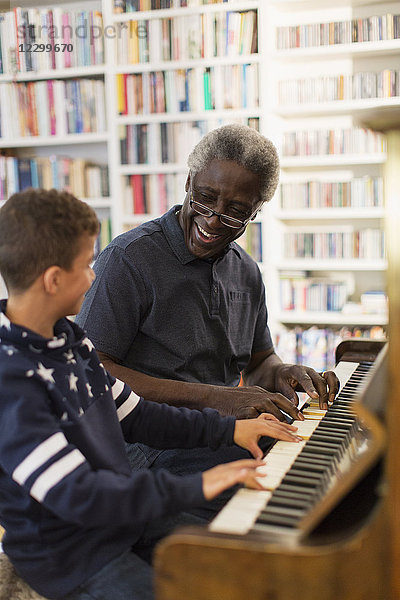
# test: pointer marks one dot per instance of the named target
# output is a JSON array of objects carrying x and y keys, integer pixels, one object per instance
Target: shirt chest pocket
[
  {"x": 241, "y": 320},
  {"x": 239, "y": 297}
]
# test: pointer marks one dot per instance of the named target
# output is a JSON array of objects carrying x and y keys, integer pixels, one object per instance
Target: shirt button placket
[{"x": 214, "y": 306}]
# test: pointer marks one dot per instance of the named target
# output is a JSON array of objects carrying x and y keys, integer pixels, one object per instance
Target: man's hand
[
  {"x": 250, "y": 401},
  {"x": 247, "y": 433},
  {"x": 224, "y": 476},
  {"x": 289, "y": 377}
]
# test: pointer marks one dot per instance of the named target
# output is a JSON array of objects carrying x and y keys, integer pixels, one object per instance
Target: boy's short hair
[{"x": 40, "y": 228}]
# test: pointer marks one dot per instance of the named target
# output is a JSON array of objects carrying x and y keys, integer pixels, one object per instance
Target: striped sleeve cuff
[
  {"x": 47, "y": 465},
  {"x": 125, "y": 400}
]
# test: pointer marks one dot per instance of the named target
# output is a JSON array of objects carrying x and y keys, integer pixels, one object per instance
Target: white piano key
[
  {"x": 344, "y": 371},
  {"x": 240, "y": 513},
  {"x": 313, "y": 413},
  {"x": 305, "y": 428},
  {"x": 270, "y": 481}
]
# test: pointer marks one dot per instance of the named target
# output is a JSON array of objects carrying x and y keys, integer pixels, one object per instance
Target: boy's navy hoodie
[{"x": 69, "y": 501}]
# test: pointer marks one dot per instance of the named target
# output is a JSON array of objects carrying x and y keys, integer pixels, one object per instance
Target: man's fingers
[
  {"x": 267, "y": 406},
  {"x": 285, "y": 405},
  {"x": 306, "y": 382},
  {"x": 247, "y": 412},
  {"x": 286, "y": 390},
  {"x": 333, "y": 384}
]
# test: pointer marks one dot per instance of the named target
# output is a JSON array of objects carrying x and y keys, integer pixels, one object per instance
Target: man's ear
[{"x": 52, "y": 279}]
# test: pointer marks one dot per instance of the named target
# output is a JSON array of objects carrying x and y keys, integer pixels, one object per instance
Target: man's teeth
[{"x": 205, "y": 233}]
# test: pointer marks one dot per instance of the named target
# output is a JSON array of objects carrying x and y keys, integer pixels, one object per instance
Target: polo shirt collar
[{"x": 174, "y": 234}]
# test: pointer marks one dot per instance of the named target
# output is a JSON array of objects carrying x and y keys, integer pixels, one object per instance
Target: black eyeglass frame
[{"x": 209, "y": 212}]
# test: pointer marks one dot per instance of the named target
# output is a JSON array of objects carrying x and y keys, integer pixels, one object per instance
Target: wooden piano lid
[{"x": 355, "y": 350}]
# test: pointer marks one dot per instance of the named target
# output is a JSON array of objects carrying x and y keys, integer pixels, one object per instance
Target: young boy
[{"x": 73, "y": 511}]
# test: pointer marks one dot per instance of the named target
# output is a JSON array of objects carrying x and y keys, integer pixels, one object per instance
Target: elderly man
[{"x": 178, "y": 309}]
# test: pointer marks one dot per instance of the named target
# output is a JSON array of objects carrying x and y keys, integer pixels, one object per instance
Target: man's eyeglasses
[{"x": 224, "y": 219}]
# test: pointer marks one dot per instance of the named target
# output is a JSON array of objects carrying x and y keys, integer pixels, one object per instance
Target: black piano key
[
  {"x": 282, "y": 521},
  {"x": 290, "y": 494},
  {"x": 329, "y": 438},
  {"x": 286, "y": 511},
  {"x": 309, "y": 493},
  {"x": 315, "y": 465},
  {"x": 309, "y": 464},
  {"x": 310, "y": 468},
  {"x": 286, "y": 501},
  {"x": 343, "y": 441},
  {"x": 298, "y": 476},
  {"x": 332, "y": 436},
  {"x": 338, "y": 422},
  {"x": 303, "y": 482},
  {"x": 323, "y": 447},
  {"x": 336, "y": 408},
  {"x": 334, "y": 430}
]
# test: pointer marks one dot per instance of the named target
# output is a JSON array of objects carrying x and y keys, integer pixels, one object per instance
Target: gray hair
[{"x": 243, "y": 145}]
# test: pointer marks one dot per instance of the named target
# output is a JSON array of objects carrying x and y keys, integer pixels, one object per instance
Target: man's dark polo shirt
[{"x": 164, "y": 312}]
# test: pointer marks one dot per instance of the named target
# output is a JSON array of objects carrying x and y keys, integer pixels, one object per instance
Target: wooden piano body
[
  {"x": 354, "y": 552},
  {"x": 337, "y": 559}
]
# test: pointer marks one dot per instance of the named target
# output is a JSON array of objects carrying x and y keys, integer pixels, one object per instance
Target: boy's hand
[
  {"x": 224, "y": 476},
  {"x": 248, "y": 432}
]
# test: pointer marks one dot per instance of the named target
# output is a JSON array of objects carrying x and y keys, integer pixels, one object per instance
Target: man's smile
[{"x": 205, "y": 235}]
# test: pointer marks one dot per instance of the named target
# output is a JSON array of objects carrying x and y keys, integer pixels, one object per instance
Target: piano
[
  {"x": 310, "y": 532},
  {"x": 305, "y": 480}
]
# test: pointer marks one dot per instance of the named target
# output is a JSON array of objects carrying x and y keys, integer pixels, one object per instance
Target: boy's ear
[{"x": 52, "y": 279}]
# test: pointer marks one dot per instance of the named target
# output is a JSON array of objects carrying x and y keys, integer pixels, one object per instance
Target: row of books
[
  {"x": 332, "y": 141},
  {"x": 369, "y": 29},
  {"x": 197, "y": 89},
  {"x": 153, "y": 194},
  {"x": 33, "y": 39},
  {"x": 78, "y": 176},
  {"x": 155, "y": 143},
  {"x": 312, "y": 294},
  {"x": 188, "y": 37},
  {"x": 360, "y": 192},
  {"x": 52, "y": 107},
  {"x": 121, "y": 6},
  {"x": 315, "y": 347},
  {"x": 385, "y": 84},
  {"x": 251, "y": 241},
  {"x": 105, "y": 233},
  {"x": 365, "y": 244}
]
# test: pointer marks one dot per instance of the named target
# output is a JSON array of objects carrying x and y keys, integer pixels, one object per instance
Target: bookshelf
[
  {"x": 52, "y": 82},
  {"x": 330, "y": 69},
  {"x": 179, "y": 72},
  {"x": 172, "y": 74}
]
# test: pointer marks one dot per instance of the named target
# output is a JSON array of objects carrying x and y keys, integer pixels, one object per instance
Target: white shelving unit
[
  {"x": 284, "y": 116},
  {"x": 274, "y": 117},
  {"x": 331, "y": 318},
  {"x": 90, "y": 146}
]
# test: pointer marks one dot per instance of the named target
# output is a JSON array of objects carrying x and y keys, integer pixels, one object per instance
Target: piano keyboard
[{"x": 296, "y": 476}]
